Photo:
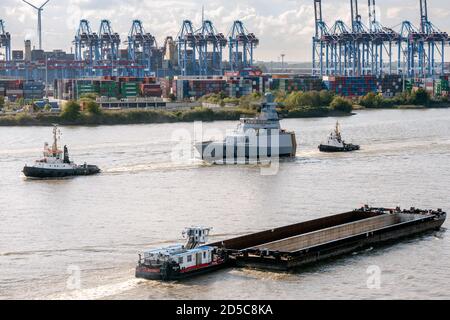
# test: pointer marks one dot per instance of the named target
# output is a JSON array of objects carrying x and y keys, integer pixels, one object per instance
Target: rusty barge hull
[{"x": 301, "y": 244}]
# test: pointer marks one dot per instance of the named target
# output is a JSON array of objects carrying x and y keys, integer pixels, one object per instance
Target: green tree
[
  {"x": 326, "y": 97},
  {"x": 251, "y": 101},
  {"x": 341, "y": 104},
  {"x": 71, "y": 110},
  {"x": 2, "y": 102},
  {"x": 47, "y": 108},
  {"x": 89, "y": 96},
  {"x": 93, "y": 107},
  {"x": 420, "y": 97},
  {"x": 172, "y": 97},
  {"x": 369, "y": 100},
  {"x": 21, "y": 102}
]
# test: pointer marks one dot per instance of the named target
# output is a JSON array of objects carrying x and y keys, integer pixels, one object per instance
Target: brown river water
[{"x": 79, "y": 238}]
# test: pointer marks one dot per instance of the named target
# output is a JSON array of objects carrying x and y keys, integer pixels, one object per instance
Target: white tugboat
[
  {"x": 256, "y": 139},
  {"x": 336, "y": 144},
  {"x": 181, "y": 261},
  {"x": 56, "y": 163}
]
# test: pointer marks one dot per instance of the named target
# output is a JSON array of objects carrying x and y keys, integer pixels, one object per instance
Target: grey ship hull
[{"x": 212, "y": 151}]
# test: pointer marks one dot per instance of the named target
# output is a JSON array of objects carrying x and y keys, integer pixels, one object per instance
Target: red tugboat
[{"x": 182, "y": 261}]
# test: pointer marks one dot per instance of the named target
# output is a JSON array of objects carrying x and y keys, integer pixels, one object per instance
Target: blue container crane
[
  {"x": 5, "y": 41},
  {"x": 322, "y": 41},
  {"x": 187, "y": 49},
  {"x": 86, "y": 46},
  {"x": 241, "y": 45},
  {"x": 383, "y": 40},
  {"x": 109, "y": 42},
  {"x": 431, "y": 46},
  {"x": 341, "y": 53},
  {"x": 140, "y": 48},
  {"x": 210, "y": 61},
  {"x": 408, "y": 48}
]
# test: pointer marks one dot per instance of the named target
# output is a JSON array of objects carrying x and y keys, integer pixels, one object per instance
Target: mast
[
  {"x": 55, "y": 139},
  {"x": 338, "y": 132}
]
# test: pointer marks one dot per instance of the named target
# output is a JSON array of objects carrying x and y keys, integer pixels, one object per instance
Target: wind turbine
[{"x": 39, "y": 10}]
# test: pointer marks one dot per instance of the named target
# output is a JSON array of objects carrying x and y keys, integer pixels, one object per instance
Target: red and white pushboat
[{"x": 182, "y": 261}]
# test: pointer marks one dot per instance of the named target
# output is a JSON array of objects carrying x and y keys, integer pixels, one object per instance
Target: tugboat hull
[
  {"x": 169, "y": 273},
  {"x": 33, "y": 172},
  {"x": 346, "y": 148}
]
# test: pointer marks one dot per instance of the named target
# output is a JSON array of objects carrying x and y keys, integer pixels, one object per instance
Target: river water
[{"x": 79, "y": 238}]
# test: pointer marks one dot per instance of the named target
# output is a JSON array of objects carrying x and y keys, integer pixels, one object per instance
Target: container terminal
[
  {"x": 290, "y": 247},
  {"x": 349, "y": 60}
]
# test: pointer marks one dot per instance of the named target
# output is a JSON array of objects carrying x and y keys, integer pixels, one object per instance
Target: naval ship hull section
[{"x": 262, "y": 150}]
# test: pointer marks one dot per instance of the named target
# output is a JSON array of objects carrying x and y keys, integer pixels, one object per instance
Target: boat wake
[
  {"x": 100, "y": 292},
  {"x": 162, "y": 166}
]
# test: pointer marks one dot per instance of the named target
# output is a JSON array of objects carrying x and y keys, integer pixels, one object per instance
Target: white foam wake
[{"x": 98, "y": 293}]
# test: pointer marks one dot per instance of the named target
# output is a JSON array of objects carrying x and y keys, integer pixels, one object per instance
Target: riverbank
[
  {"x": 130, "y": 117},
  {"x": 125, "y": 117},
  {"x": 405, "y": 107}
]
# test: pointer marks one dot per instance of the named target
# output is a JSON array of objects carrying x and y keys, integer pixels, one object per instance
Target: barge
[{"x": 290, "y": 247}]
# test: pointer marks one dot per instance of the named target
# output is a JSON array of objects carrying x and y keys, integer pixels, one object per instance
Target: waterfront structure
[
  {"x": 375, "y": 49},
  {"x": 5, "y": 42}
]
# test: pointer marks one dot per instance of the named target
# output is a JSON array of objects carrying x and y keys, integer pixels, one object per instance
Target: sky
[{"x": 283, "y": 26}]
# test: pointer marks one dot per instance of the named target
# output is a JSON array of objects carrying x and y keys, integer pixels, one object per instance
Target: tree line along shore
[{"x": 87, "y": 111}]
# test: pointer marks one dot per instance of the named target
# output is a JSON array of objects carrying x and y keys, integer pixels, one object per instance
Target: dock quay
[{"x": 289, "y": 247}]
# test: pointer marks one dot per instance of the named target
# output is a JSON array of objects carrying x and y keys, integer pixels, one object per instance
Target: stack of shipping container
[
  {"x": 437, "y": 86},
  {"x": 350, "y": 86},
  {"x": 166, "y": 86},
  {"x": 17, "y": 89},
  {"x": 389, "y": 85},
  {"x": 442, "y": 87},
  {"x": 111, "y": 87},
  {"x": 291, "y": 83},
  {"x": 33, "y": 90},
  {"x": 232, "y": 85},
  {"x": 201, "y": 87},
  {"x": 108, "y": 88}
]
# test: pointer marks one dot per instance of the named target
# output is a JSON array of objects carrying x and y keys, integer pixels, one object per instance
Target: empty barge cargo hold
[{"x": 308, "y": 242}]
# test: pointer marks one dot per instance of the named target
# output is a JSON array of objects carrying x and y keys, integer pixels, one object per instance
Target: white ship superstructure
[{"x": 253, "y": 139}]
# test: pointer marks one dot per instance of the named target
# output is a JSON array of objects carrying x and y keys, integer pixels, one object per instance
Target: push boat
[
  {"x": 56, "y": 163},
  {"x": 335, "y": 143},
  {"x": 254, "y": 139},
  {"x": 182, "y": 261}
]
